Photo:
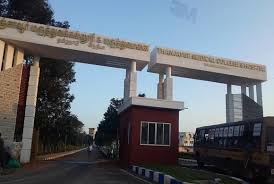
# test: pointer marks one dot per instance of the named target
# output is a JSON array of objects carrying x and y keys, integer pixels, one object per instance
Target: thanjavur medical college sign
[
  {"x": 208, "y": 60},
  {"x": 92, "y": 40}
]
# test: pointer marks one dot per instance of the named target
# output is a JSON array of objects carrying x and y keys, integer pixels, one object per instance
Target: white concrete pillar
[
  {"x": 130, "y": 82},
  {"x": 229, "y": 89},
  {"x": 251, "y": 92},
  {"x": 126, "y": 85},
  {"x": 168, "y": 72},
  {"x": 18, "y": 57},
  {"x": 133, "y": 80},
  {"x": 168, "y": 85},
  {"x": 8, "y": 58},
  {"x": 243, "y": 89},
  {"x": 30, "y": 111},
  {"x": 259, "y": 94},
  {"x": 133, "y": 66},
  {"x": 229, "y": 104},
  {"x": 161, "y": 78},
  {"x": 160, "y": 87},
  {"x": 2, "y": 51}
]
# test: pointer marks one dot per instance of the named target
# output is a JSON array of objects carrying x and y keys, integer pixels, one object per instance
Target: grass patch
[
  {"x": 187, "y": 155},
  {"x": 191, "y": 175}
]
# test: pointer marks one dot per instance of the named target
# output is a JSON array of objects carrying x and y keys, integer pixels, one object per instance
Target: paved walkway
[{"x": 79, "y": 168}]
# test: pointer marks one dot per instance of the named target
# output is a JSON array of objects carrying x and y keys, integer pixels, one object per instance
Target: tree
[
  {"x": 53, "y": 102},
  {"x": 108, "y": 127},
  {"x": 38, "y": 11},
  {"x": 54, "y": 99},
  {"x": 3, "y": 7},
  {"x": 53, "y": 114}
]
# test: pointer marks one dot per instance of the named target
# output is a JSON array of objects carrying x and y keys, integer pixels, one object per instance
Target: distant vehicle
[{"x": 245, "y": 148}]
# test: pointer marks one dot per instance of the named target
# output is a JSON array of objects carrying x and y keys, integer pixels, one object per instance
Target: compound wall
[{"x": 10, "y": 90}]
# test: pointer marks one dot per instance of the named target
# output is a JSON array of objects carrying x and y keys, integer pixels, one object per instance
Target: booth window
[
  {"x": 160, "y": 133},
  {"x": 155, "y": 133}
]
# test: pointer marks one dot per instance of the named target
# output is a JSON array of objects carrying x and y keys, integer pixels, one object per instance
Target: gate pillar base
[{"x": 137, "y": 110}]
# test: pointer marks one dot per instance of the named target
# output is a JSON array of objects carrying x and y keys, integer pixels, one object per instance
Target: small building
[
  {"x": 149, "y": 131},
  {"x": 186, "y": 141}
]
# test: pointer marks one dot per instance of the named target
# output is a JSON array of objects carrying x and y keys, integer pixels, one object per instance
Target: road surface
[{"x": 75, "y": 169}]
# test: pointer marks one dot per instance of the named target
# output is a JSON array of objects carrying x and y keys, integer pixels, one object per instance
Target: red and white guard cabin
[{"x": 149, "y": 131}]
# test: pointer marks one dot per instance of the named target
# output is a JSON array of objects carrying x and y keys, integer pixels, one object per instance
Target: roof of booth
[
  {"x": 58, "y": 43},
  {"x": 205, "y": 67}
]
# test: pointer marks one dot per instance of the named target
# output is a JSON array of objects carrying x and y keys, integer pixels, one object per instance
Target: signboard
[
  {"x": 205, "y": 67},
  {"x": 211, "y": 60},
  {"x": 68, "y": 37},
  {"x": 65, "y": 44}
]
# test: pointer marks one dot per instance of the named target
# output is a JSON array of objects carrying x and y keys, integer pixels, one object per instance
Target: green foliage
[
  {"x": 108, "y": 127},
  {"x": 53, "y": 117},
  {"x": 53, "y": 102},
  {"x": 3, "y": 7},
  {"x": 37, "y": 11}
]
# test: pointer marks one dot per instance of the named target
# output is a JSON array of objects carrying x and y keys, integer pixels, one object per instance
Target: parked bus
[{"x": 245, "y": 148}]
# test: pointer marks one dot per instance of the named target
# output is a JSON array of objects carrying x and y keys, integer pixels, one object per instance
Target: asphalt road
[{"x": 79, "y": 168}]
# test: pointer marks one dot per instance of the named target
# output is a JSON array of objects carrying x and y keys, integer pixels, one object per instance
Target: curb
[
  {"x": 162, "y": 178},
  {"x": 153, "y": 176},
  {"x": 58, "y": 155}
]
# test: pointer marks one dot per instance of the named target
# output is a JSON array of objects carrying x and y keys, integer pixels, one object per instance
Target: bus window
[
  {"x": 199, "y": 137},
  {"x": 270, "y": 139},
  {"x": 221, "y": 132},
  {"x": 236, "y": 137},
  {"x": 202, "y": 133},
  {"x": 242, "y": 129},
  {"x": 216, "y": 132},
  {"x": 212, "y": 134},
  {"x": 206, "y": 137},
  {"x": 230, "y": 131},
  {"x": 257, "y": 129},
  {"x": 236, "y": 131},
  {"x": 225, "y": 131}
]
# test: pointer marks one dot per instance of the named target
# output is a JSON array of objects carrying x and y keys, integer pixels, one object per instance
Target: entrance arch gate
[{"x": 138, "y": 115}]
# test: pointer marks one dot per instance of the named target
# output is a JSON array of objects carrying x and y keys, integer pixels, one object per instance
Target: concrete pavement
[{"x": 79, "y": 168}]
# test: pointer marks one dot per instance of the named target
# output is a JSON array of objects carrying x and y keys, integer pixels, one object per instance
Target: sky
[{"x": 232, "y": 29}]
